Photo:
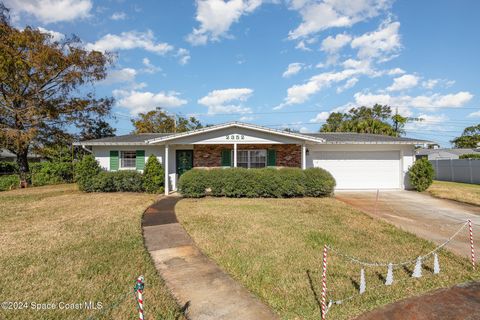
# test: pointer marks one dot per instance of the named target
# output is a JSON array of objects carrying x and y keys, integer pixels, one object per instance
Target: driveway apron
[{"x": 419, "y": 213}]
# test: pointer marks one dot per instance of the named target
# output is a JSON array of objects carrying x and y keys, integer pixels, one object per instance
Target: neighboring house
[
  {"x": 443, "y": 154},
  {"x": 6, "y": 155},
  {"x": 357, "y": 161}
]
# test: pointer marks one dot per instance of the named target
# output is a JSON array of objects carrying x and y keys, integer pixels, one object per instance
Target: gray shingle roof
[
  {"x": 457, "y": 152},
  {"x": 134, "y": 139},
  {"x": 351, "y": 137},
  {"x": 330, "y": 138}
]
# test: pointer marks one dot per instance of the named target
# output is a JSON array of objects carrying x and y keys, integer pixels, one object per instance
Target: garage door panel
[{"x": 361, "y": 169}]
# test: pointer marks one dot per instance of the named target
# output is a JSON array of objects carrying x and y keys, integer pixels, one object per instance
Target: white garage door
[{"x": 361, "y": 169}]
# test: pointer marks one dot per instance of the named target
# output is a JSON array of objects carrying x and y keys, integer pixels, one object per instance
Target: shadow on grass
[{"x": 315, "y": 294}]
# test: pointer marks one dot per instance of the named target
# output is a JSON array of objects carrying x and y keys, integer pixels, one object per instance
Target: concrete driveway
[{"x": 427, "y": 217}]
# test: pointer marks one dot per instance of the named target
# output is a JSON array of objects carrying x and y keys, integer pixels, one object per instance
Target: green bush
[
  {"x": 318, "y": 182},
  {"x": 85, "y": 170},
  {"x": 193, "y": 184},
  {"x": 421, "y": 174},
  {"x": 45, "y": 173},
  {"x": 9, "y": 182},
  {"x": 153, "y": 176},
  {"x": 128, "y": 181},
  {"x": 268, "y": 182},
  {"x": 7, "y": 167},
  {"x": 470, "y": 156}
]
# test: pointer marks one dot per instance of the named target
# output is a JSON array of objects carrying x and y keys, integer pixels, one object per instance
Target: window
[
  {"x": 128, "y": 159},
  {"x": 251, "y": 158}
]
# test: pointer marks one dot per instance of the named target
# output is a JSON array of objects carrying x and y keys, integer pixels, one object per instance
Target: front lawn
[
  {"x": 62, "y": 245},
  {"x": 274, "y": 248},
  {"x": 463, "y": 192}
]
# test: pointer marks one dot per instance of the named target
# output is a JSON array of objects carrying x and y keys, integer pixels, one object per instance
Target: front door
[{"x": 184, "y": 161}]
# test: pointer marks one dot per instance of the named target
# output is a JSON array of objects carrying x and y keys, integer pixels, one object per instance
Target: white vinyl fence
[{"x": 457, "y": 170}]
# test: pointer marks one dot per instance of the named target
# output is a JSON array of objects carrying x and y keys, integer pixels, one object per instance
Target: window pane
[
  {"x": 128, "y": 159},
  {"x": 258, "y": 158},
  {"x": 242, "y": 158}
]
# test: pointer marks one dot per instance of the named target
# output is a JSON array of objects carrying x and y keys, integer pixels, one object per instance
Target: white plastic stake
[
  {"x": 363, "y": 284},
  {"x": 417, "y": 272},
  {"x": 436, "y": 264},
  {"x": 389, "y": 279}
]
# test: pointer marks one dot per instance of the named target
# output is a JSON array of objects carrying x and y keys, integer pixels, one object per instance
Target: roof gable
[{"x": 227, "y": 135}]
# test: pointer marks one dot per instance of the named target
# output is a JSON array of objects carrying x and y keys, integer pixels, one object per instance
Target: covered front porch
[{"x": 180, "y": 158}]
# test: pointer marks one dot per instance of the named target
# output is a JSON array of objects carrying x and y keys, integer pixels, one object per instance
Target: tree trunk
[{"x": 23, "y": 169}]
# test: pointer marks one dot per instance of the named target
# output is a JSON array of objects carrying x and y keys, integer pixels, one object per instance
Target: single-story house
[
  {"x": 6, "y": 155},
  {"x": 357, "y": 161},
  {"x": 444, "y": 154}
]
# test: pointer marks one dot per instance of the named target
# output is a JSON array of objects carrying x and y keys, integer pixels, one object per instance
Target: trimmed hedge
[
  {"x": 470, "y": 156},
  {"x": 421, "y": 174},
  {"x": 117, "y": 181},
  {"x": 50, "y": 172},
  {"x": 255, "y": 183},
  {"x": 8, "y": 167}
]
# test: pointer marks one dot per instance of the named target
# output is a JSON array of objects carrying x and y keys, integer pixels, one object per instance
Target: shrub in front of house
[
  {"x": 85, "y": 171},
  {"x": 9, "y": 182},
  {"x": 421, "y": 174},
  {"x": 153, "y": 176},
  {"x": 51, "y": 172},
  {"x": 318, "y": 182},
  {"x": 256, "y": 183}
]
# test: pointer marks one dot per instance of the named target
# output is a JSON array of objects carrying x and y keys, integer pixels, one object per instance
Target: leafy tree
[
  {"x": 470, "y": 138},
  {"x": 377, "y": 119},
  {"x": 158, "y": 121},
  {"x": 41, "y": 86},
  {"x": 96, "y": 129}
]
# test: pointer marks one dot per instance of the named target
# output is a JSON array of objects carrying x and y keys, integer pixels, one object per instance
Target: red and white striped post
[
  {"x": 472, "y": 249},
  {"x": 324, "y": 284},
  {"x": 139, "y": 286}
]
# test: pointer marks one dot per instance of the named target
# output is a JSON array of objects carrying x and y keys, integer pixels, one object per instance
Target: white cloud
[
  {"x": 302, "y": 46},
  {"x": 422, "y": 101},
  {"x": 349, "y": 84},
  {"x": 183, "y": 56},
  {"x": 430, "y": 84},
  {"x": 118, "y": 16},
  {"x": 55, "y": 36},
  {"x": 404, "y": 82},
  {"x": 217, "y": 16},
  {"x": 321, "y": 117},
  {"x": 130, "y": 40},
  {"x": 137, "y": 101},
  {"x": 395, "y": 71},
  {"x": 381, "y": 44},
  {"x": 50, "y": 11},
  {"x": 292, "y": 69},
  {"x": 120, "y": 76},
  {"x": 333, "y": 44},
  {"x": 149, "y": 67},
  {"x": 475, "y": 114},
  {"x": 321, "y": 15},
  {"x": 227, "y": 100},
  {"x": 428, "y": 121}
]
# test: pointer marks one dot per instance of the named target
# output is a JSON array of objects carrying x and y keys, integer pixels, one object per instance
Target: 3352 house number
[{"x": 235, "y": 137}]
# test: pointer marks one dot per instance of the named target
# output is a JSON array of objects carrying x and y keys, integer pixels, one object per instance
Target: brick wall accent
[{"x": 207, "y": 155}]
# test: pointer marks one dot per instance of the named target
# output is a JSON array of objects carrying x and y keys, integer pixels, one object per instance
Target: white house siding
[
  {"x": 364, "y": 166},
  {"x": 102, "y": 153}
]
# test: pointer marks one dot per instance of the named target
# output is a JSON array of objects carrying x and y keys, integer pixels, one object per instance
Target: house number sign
[{"x": 235, "y": 137}]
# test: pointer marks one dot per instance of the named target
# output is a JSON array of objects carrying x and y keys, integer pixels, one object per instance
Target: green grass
[
  {"x": 462, "y": 192},
  {"x": 61, "y": 245},
  {"x": 274, "y": 248}
]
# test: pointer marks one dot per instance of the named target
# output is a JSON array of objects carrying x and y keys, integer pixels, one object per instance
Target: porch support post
[
  {"x": 304, "y": 156},
  {"x": 234, "y": 155},
  {"x": 167, "y": 186}
]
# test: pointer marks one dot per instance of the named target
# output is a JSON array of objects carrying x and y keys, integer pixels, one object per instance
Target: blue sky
[{"x": 280, "y": 63}]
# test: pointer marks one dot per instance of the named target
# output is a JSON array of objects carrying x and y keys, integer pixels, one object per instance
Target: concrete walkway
[
  {"x": 460, "y": 302},
  {"x": 427, "y": 217},
  {"x": 197, "y": 283}
]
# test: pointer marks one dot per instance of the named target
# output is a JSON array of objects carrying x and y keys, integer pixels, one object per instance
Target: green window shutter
[
  {"x": 113, "y": 160},
  {"x": 271, "y": 158},
  {"x": 226, "y": 158},
  {"x": 140, "y": 160}
]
